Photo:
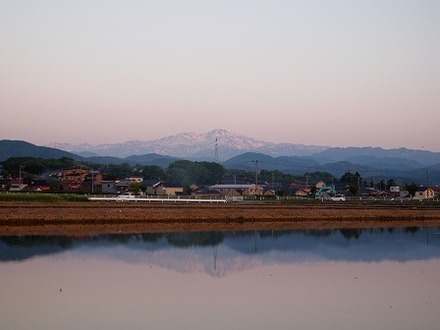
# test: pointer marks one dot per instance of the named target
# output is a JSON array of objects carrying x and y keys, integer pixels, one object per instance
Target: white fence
[{"x": 158, "y": 200}]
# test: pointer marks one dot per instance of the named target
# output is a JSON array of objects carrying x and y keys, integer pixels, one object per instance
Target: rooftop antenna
[{"x": 216, "y": 151}]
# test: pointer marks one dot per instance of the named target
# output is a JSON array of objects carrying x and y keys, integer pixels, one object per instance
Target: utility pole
[
  {"x": 256, "y": 172},
  {"x": 216, "y": 151},
  {"x": 256, "y": 176}
]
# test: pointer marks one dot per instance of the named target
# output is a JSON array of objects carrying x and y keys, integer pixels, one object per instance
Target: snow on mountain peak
[{"x": 194, "y": 145}]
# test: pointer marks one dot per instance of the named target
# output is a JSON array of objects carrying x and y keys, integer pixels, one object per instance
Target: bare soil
[{"x": 93, "y": 218}]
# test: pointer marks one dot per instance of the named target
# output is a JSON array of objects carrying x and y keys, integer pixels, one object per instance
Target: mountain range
[
  {"x": 239, "y": 152},
  {"x": 200, "y": 146}
]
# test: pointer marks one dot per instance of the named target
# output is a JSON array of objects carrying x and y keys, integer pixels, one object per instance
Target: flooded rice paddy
[{"x": 314, "y": 279}]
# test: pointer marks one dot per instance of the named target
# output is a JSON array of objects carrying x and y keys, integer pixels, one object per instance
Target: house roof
[
  {"x": 152, "y": 182},
  {"x": 422, "y": 188},
  {"x": 297, "y": 186},
  {"x": 233, "y": 186},
  {"x": 206, "y": 191}
]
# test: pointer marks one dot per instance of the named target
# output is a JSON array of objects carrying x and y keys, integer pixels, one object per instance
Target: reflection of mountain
[{"x": 222, "y": 253}]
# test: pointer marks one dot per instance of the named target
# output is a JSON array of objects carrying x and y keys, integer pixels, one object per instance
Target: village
[{"x": 89, "y": 181}]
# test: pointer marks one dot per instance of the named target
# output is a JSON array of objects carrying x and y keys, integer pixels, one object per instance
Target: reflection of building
[{"x": 238, "y": 189}]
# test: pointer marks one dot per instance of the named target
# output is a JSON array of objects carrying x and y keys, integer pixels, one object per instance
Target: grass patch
[{"x": 38, "y": 197}]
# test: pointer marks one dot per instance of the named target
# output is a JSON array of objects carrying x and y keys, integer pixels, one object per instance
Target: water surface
[{"x": 321, "y": 279}]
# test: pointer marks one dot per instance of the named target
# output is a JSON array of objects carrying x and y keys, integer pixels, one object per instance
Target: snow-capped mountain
[{"x": 194, "y": 145}]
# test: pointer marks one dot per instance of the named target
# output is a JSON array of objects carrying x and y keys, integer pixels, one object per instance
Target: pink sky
[{"x": 345, "y": 73}]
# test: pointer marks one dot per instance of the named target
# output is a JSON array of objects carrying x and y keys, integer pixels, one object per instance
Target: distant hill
[
  {"x": 147, "y": 159},
  {"x": 203, "y": 146},
  {"x": 424, "y": 157},
  {"x": 375, "y": 168},
  {"x": 292, "y": 164},
  {"x": 402, "y": 164},
  {"x": 152, "y": 159},
  {"x": 15, "y": 148}
]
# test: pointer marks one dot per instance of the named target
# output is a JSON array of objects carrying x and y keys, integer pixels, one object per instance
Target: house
[
  {"x": 271, "y": 189},
  {"x": 298, "y": 189},
  {"x": 92, "y": 182},
  {"x": 5, "y": 184},
  {"x": 342, "y": 187},
  {"x": 76, "y": 174},
  {"x": 136, "y": 179},
  {"x": 69, "y": 185},
  {"x": 171, "y": 190},
  {"x": 320, "y": 184},
  {"x": 302, "y": 192},
  {"x": 122, "y": 186},
  {"x": 152, "y": 186},
  {"x": 436, "y": 190},
  {"x": 108, "y": 187},
  {"x": 424, "y": 193},
  {"x": 238, "y": 189},
  {"x": 81, "y": 179},
  {"x": 17, "y": 185},
  {"x": 205, "y": 192},
  {"x": 38, "y": 185}
]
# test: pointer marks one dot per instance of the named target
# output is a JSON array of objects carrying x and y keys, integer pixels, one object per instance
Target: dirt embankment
[{"x": 71, "y": 218}]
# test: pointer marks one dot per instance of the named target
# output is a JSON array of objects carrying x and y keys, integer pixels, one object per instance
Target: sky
[{"x": 334, "y": 73}]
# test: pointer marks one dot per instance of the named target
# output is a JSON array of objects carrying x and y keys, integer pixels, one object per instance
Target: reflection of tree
[
  {"x": 411, "y": 230},
  {"x": 274, "y": 233},
  {"x": 151, "y": 237},
  {"x": 123, "y": 239},
  {"x": 195, "y": 239},
  {"x": 25, "y": 247},
  {"x": 351, "y": 233},
  {"x": 319, "y": 233},
  {"x": 30, "y": 241}
]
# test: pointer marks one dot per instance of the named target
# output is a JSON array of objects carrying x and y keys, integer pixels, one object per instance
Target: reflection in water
[
  {"x": 314, "y": 279},
  {"x": 400, "y": 244}
]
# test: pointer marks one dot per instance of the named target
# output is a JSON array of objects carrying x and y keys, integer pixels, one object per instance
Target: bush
[{"x": 38, "y": 197}]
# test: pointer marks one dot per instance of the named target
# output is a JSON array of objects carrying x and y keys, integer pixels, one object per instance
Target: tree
[
  {"x": 113, "y": 172},
  {"x": 391, "y": 183},
  {"x": 320, "y": 176},
  {"x": 215, "y": 172},
  {"x": 32, "y": 166},
  {"x": 185, "y": 172},
  {"x": 411, "y": 188},
  {"x": 134, "y": 187},
  {"x": 154, "y": 172},
  {"x": 354, "y": 180}
]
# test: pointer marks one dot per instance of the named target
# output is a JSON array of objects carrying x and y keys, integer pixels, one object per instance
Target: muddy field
[{"x": 92, "y": 218}]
